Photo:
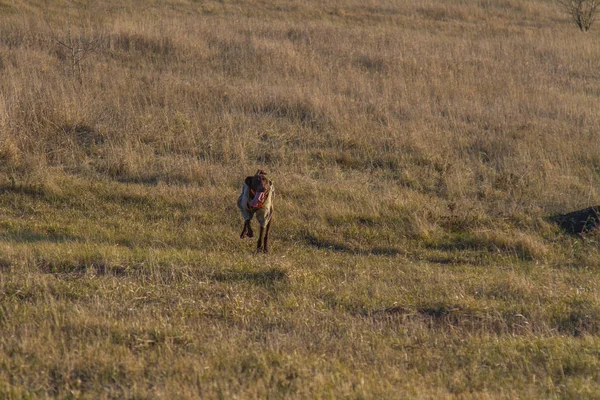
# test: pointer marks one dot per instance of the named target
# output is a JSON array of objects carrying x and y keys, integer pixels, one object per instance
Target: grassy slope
[{"x": 416, "y": 148}]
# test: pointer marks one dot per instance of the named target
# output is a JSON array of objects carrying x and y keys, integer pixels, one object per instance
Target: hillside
[{"x": 418, "y": 149}]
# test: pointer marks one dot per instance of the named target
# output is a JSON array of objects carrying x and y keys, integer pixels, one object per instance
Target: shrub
[{"x": 583, "y": 12}]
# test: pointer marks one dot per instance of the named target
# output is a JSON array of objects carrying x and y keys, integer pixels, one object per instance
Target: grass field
[{"x": 418, "y": 149}]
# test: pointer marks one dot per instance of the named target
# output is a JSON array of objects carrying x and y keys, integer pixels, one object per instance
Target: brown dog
[{"x": 257, "y": 198}]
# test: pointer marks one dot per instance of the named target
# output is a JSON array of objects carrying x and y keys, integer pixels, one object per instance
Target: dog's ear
[{"x": 248, "y": 180}]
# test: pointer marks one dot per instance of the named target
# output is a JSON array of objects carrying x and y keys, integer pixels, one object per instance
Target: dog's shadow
[
  {"x": 343, "y": 248},
  {"x": 266, "y": 278}
]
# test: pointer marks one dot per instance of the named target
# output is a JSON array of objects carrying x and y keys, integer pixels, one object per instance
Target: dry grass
[{"x": 417, "y": 147}]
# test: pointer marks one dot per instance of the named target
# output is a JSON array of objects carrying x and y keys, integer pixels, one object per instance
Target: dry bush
[{"x": 582, "y": 12}]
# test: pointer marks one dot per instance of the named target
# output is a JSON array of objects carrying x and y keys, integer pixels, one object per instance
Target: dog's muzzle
[{"x": 258, "y": 200}]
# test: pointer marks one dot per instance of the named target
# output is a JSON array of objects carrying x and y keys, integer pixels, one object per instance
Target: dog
[{"x": 257, "y": 198}]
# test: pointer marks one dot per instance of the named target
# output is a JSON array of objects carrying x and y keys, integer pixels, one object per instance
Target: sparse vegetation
[{"x": 418, "y": 148}]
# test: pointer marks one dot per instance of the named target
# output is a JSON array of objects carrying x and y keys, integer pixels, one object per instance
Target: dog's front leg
[
  {"x": 261, "y": 240},
  {"x": 247, "y": 231},
  {"x": 266, "y": 242}
]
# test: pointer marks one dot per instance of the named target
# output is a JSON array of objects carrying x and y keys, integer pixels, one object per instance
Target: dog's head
[{"x": 259, "y": 185}]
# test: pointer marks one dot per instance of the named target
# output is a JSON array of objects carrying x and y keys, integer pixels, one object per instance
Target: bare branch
[
  {"x": 76, "y": 44},
  {"x": 582, "y": 12}
]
